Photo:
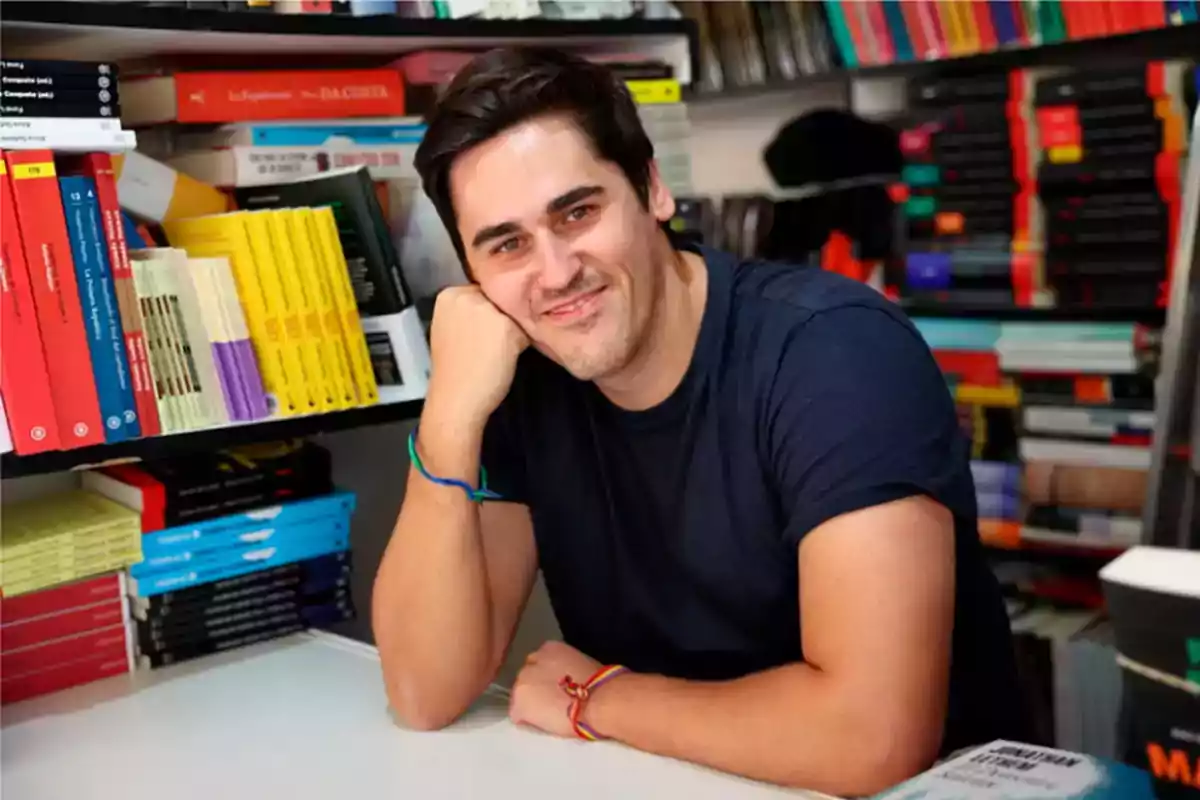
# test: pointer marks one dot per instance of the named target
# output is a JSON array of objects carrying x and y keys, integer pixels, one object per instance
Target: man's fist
[
  {"x": 474, "y": 348},
  {"x": 537, "y": 699}
]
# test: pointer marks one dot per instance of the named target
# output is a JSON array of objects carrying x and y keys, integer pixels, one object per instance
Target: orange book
[{"x": 262, "y": 95}]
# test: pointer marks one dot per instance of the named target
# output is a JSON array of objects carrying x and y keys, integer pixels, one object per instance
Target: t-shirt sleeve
[
  {"x": 859, "y": 415},
  {"x": 502, "y": 456}
]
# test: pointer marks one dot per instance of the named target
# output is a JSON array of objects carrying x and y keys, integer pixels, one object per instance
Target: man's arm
[
  {"x": 456, "y": 574},
  {"x": 866, "y": 709}
]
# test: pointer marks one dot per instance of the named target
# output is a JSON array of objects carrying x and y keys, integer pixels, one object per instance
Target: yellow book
[
  {"x": 951, "y": 29},
  {"x": 968, "y": 27},
  {"x": 299, "y": 314},
  {"x": 227, "y": 235},
  {"x": 338, "y": 274},
  {"x": 321, "y": 315}
]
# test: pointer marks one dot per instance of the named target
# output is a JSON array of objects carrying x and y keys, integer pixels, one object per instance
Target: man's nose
[{"x": 559, "y": 264}]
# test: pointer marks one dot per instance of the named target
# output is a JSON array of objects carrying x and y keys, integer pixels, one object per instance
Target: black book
[
  {"x": 54, "y": 108},
  {"x": 379, "y": 285},
  {"x": 321, "y": 570},
  {"x": 295, "y": 588},
  {"x": 271, "y": 627},
  {"x": 62, "y": 96},
  {"x": 23, "y": 80},
  {"x": 43, "y": 67},
  {"x": 1153, "y": 597}
]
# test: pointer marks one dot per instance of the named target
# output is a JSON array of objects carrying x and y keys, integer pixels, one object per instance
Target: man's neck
[{"x": 661, "y": 361}]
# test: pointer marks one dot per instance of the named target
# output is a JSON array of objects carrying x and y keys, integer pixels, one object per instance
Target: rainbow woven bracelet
[
  {"x": 581, "y": 692},
  {"x": 476, "y": 495}
]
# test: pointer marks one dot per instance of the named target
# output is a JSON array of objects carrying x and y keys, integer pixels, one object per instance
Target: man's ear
[{"x": 659, "y": 198}]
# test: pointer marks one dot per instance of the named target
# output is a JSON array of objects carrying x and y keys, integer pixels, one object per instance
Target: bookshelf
[
  {"x": 1179, "y": 41},
  {"x": 206, "y": 440},
  {"x": 115, "y": 32},
  {"x": 1156, "y": 316}
]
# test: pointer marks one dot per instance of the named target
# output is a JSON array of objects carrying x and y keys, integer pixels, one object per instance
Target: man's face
[{"x": 558, "y": 241}]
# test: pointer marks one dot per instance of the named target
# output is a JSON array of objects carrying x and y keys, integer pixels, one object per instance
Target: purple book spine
[
  {"x": 252, "y": 386},
  {"x": 235, "y": 398}
]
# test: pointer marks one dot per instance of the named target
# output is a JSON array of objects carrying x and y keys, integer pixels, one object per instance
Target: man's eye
[
  {"x": 579, "y": 212},
  {"x": 508, "y": 245}
]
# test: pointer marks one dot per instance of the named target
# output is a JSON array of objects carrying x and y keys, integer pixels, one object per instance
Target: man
[{"x": 743, "y": 483}]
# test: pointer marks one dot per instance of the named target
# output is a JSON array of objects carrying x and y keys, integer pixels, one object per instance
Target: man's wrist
[
  {"x": 449, "y": 445},
  {"x": 603, "y": 708}
]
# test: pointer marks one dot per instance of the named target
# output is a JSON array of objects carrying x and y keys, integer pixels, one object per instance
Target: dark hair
[{"x": 504, "y": 87}]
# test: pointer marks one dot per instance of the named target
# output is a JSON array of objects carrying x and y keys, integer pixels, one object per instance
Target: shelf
[
  {"x": 121, "y": 32},
  {"x": 1155, "y": 316},
  {"x": 1171, "y": 42},
  {"x": 207, "y": 440}
]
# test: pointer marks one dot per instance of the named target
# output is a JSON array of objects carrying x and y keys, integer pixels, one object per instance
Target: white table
[{"x": 306, "y": 718}]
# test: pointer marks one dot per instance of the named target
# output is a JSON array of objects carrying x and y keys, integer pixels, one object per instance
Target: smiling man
[{"x": 743, "y": 483}]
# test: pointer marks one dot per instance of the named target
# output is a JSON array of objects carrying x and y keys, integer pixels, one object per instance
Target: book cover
[
  {"x": 97, "y": 295},
  {"x": 243, "y": 362},
  {"x": 224, "y": 355},
  {"x": 1153, "y": 597},
  {"x": 159, "y": 358},
  {"x": 98, "y": 166},
  {"x": 47, "y": 245},
  {"x": 1003, "y": 770},
  {"x": 24, "y": 376},
  {"x": 374, "y": 268},
  {"x": 228, "y": 236}
]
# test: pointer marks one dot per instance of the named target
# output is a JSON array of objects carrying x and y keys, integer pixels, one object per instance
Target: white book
[
  {"x": 1085, "y": 421},
  {"x": 259, "y": 166},
  {"x": 1085, "y": 454},
  {"x": 162, "y": 371},
  {"x": 399, "y": 355}
]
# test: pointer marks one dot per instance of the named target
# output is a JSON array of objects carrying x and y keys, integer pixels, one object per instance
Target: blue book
[
  {"x": 255, "y": 526},
  {"x": 1006, "y": 770},
  {"x": 102, "y": 318},
  {"x": 1004, "y": 20},
  {"x": 253, "y": 561},
  {"x": 254, "y": 545},
  {"x": 899, "y": 31},
  {"x": 133, "y": 237},
  {"x": 319, "y": 134}
]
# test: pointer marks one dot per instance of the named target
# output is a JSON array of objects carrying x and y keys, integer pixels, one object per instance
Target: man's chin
[{"x": 582, "y": 365}]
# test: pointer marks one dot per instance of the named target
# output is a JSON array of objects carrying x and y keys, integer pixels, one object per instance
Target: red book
[
  {"x": 108, "y": 642},
  {"x": 983, "y": 22},
  {"x": 976, "y": 368},
  {"x": 884, "y": 45},
  {"x": 59, "y": 598},
  {"x": 49, "y": 627},
  {"x": 262, "y": 95},
  {"x": 98, "y": 166},
  {"x": 63, "y": 676},
  {"x": 1154, "y": 14},
  {"x": 922, "y": 47},
  {"x": 24, "y": 377},
  {"x": 56, "y": 296}
]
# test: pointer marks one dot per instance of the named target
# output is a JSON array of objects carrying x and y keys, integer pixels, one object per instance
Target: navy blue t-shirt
[{"x": 667, "y": 538}]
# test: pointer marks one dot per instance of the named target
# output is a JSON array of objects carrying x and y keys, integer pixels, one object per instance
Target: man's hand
[
  {"x": 474, "y": 348},
  {"x": 537, "y": 699}
]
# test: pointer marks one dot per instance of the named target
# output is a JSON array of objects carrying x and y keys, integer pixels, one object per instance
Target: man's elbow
[
  {"x": 417, "y": 709},
  {"x": 887, "y": 755}
]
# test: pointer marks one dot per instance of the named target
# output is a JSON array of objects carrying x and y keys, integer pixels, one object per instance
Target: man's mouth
[{"x": 576, "y": 308}]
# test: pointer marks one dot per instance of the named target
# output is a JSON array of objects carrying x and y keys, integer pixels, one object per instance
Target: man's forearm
[
  {"x": 793, "y": 725},
  {"x": 431, "y": 610}
]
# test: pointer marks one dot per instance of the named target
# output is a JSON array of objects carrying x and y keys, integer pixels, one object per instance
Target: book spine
[
  {"x": 322, "y": 317},
  {"x": 167, "y": 296},
  {"x": 62, "y": 676},
  {"x": 166, "y": 391},
  {"x": 75, "y": 192},
  {"x": 24, "y": 376},
  {"x": 249, "y": 370},
  {"x": 223, "y": 356},
  {"x": 333, "y": 261},
  {"x": 297, "y": 393},
  {"x": 99, "y": 165},
  {"x": 60, "y": 598},
  {"x": 293, "y": 94},
  {"x": 104, "y": 643},
  {"x": 56, "y": 296},
  {"x": 298, "y": 312}
]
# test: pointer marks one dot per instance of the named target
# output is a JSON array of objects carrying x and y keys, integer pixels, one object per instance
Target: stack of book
[
  {"x": 421, "y": 9},
  {"x": 69, "y": 106},
  {"x": 1109, "y": 181},
  {"x": 1061, "y": 416},
  {"x": 59, "y": 630},
  {"x": 967, "y": 216},
  {"x": 64, "y": 636},
  {"x": 237, "y": 548}
]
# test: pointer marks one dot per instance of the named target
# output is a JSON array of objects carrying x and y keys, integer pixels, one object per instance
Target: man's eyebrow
[
  {"x": 568, "y": 199},
  {"x": 494, "y": 232},
  {"x": 563, "y": 201}
]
